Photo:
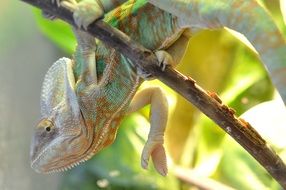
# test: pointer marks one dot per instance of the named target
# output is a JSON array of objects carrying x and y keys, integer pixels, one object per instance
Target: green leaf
[
  {"x": 247, "y": 71},
  {"x": 239, "y": 170},
  {"x": 208, "y": 152},
  {"x": 57, "y": 31},
  {"x": 246, "y": 79}
]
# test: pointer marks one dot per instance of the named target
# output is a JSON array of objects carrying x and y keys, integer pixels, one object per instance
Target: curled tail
[{"x": 244, "y": 16}]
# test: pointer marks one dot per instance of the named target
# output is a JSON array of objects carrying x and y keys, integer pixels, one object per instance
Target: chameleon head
[
  {"x": 61, "y": 139},
  {"x": 57, "y": 146}
]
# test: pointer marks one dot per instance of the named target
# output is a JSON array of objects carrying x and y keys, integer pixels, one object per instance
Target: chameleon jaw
[
  {"x": 91, "y": 151},
  {"x": 63, "y": 152},
  {"x": 62, "y": 164},
  {"x": 96, "y": 147}
]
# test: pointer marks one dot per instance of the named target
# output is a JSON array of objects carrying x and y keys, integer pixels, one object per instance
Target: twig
[
  {"x": 208, "y": 103},
  {"x": 190, "y": 177}
]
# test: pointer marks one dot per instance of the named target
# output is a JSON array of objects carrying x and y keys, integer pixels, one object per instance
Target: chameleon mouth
[
  {"x": 35, "y": 164},
  {"x": 65, "y": 163},
  {"x": 65, "y": 168},
  {"x": 59, "y": 159}
]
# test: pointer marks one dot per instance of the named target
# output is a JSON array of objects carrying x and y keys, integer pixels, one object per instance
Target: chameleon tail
[
  {"x": 244, "y": 16},
  {"x": 249, "y": 18}
]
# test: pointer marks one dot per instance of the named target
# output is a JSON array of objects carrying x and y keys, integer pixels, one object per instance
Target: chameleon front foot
[{"x": 158, "y": 119}]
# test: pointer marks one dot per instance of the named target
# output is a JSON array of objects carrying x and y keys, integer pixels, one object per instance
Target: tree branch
[{"x": 208, "y": 103}]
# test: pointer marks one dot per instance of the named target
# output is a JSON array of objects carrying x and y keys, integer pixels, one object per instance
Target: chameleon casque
[{"x": 84, "y": 99}]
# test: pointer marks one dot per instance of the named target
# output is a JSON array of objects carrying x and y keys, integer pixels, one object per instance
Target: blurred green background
[{"x": 217, "y": 60}]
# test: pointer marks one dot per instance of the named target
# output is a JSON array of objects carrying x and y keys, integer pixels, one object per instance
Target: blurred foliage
[{"x": 222, "y": 63}]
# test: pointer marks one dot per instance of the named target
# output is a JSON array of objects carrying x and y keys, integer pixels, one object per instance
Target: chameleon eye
[
  {"x": 45, "y": 124},
  {"x": 48, "y": 129}
]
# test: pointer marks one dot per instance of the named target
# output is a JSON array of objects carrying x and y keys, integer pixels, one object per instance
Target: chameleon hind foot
[
  {"x": 85, "y": 12},
  {"x": 154, "y": 146},
  {"x": 164, "y": 60}
]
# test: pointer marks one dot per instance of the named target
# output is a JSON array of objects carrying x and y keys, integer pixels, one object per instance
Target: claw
[
  {"x": 78, "y": 21},
  {"x": 143, "y": 74},
  {"x": 85, "y": 25},
  {"x": 164, "y": 60},
  {"x": 49, "y": 16},
  {"x": 145, "y": 157},
  {"x": 57, "y": 2}
]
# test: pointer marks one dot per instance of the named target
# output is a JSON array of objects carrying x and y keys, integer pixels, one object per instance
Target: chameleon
[{"x": 84, "y": 99}]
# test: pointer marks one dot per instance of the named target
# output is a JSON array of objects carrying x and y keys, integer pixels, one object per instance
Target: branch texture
[{"x": 209, "y": 103}]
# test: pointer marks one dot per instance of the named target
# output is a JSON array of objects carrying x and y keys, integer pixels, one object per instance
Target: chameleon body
[
  {"x": 100, "y": 105},
  {"x": 83, "y": 100}
]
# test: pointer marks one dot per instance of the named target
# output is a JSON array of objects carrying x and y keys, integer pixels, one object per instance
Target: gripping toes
[
  {"x": 164, "y": 59},
  {"x": 145, "y": 75},
  {"x": 157, "y": 152},
  {"x": 57, "y": 2},
  {"x": 86, "y": 12},
  {"x": 48, "y": 15}
]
